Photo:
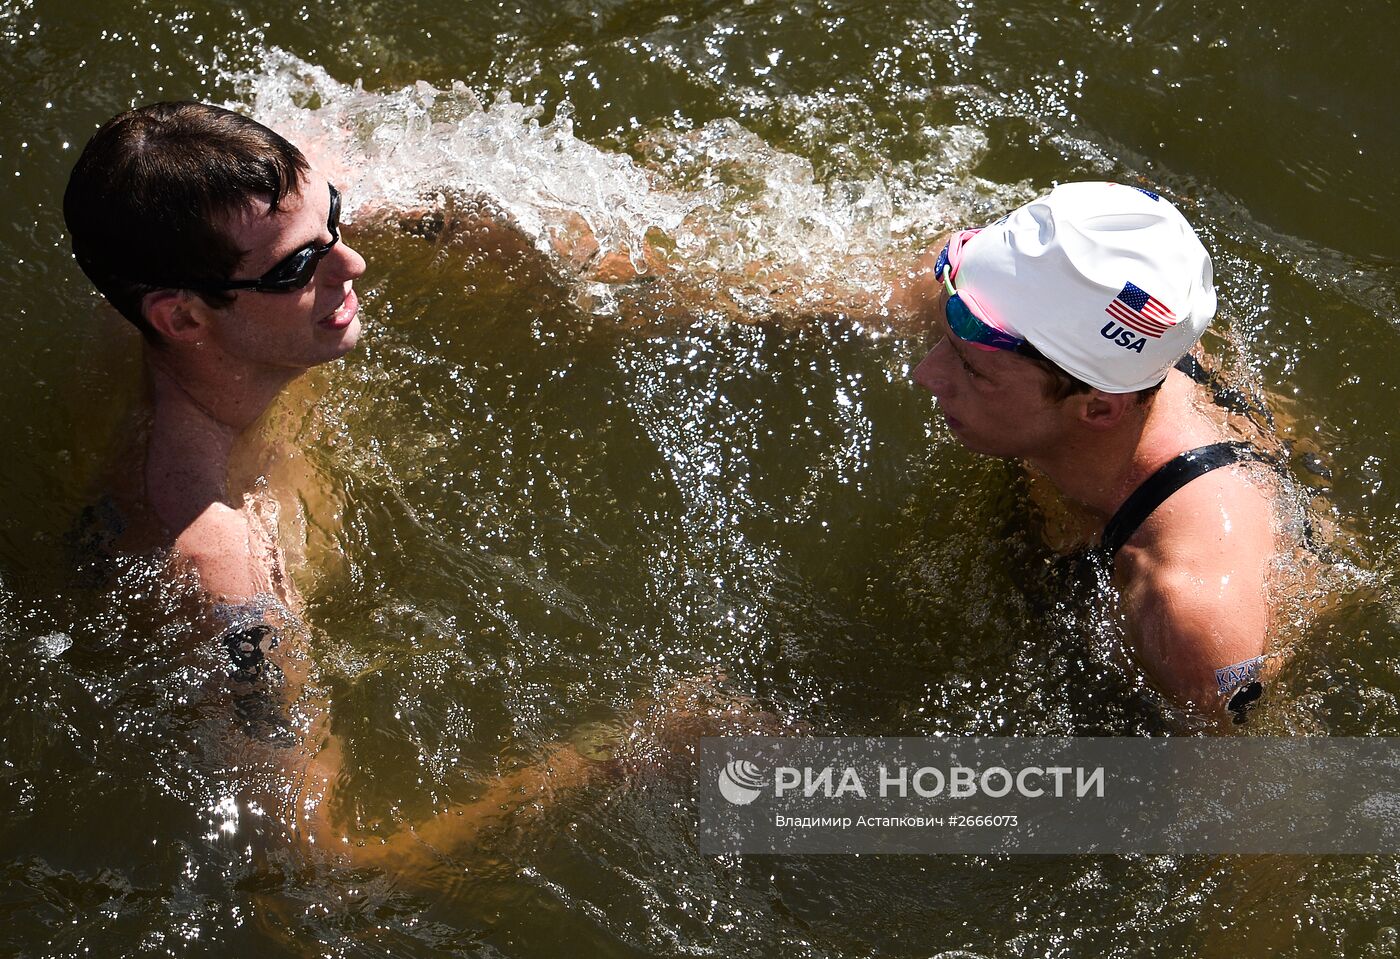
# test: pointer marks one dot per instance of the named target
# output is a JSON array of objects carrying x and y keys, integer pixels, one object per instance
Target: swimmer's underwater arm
[
  {"x": 273, "y": 727},
  {"x": 657, "y": 736},
  {"x": 279, "y": 746},
  {"x": 288, "y": 761}
]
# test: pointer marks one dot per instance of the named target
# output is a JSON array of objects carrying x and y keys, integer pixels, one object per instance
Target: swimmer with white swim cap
[{"x": 1060, "y": 327}]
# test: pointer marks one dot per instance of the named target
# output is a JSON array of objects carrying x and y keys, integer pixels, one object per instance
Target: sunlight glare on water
[{"x": 531, "y": 503}]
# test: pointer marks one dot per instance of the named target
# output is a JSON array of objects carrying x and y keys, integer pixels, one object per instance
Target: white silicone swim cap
[{"x": 1108, "y": 281}]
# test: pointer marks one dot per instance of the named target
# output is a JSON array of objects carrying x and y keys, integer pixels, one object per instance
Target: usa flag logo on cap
[{"x": 1138, "y": 310}]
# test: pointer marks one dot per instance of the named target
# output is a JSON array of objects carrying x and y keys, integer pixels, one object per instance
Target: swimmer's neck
[
  {"x": 227, "y": 396},
  {"x": 201, "y": 407},
  {"x": 1099, "y": 470}
]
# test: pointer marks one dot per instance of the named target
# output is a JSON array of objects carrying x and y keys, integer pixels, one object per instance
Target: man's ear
[
  {"x": 1103, "y": 411},
  {"x": 175, "y": 314}
]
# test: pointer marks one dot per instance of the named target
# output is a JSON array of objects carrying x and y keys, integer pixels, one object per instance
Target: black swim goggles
[{"x": 292, "y": 272}]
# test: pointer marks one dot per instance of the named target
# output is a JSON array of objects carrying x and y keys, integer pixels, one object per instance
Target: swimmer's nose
[
  {"x": 930, "y": 373},
  {"x": 348, "y": 264}
]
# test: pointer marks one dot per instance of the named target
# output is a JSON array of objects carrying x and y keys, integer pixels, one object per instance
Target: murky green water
[{"x": 532, "y": 504}]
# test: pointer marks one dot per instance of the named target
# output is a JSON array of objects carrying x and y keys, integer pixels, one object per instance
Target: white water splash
[
  {"x": 53, "y": 645},
  {"x": 752, "y": 221},
  {"x": 402, "y": 148}
]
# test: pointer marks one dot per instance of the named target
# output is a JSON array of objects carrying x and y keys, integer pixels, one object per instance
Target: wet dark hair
[
  {"x": 148, "y": 202},
  {"x": 1062, "y": 385}
]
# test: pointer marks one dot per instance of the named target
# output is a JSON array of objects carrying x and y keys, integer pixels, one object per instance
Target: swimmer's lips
[
  {"x": 953, "y": 422},
  {"x": 343, "y": 314}
]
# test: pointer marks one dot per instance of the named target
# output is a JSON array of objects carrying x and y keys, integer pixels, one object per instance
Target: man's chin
[
  {"x": 959, "y": 431},
  {"x": 352, "y": 335},
  {"x": 968, "y": 441},
  {"x": 349, "y": 337}
]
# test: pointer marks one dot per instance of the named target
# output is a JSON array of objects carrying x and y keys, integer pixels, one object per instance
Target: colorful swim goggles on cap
[{"x": 965, "y": 314}]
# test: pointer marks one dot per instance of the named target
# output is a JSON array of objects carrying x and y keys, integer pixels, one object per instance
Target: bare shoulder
[
  {"x": 216, "y": 529},
  {"x": 1194, "y": 582},
  {"x": 221, "y": 547},
  {"x": 1221, "y": 521}
]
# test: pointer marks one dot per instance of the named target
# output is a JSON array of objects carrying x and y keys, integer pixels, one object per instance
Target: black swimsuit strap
[{"x": 1157, "y": 488}]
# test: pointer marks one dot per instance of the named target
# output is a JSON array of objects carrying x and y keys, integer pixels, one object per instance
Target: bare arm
[
  {"x": 1182, "y": 631},
  {"x": 276, "y": 745},
  {"x": 658, "y": 736},
  {"x": 1194, "y": 591},
  {"x": 895, "y": 293},
  {"x": 290, "y": 764}
]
